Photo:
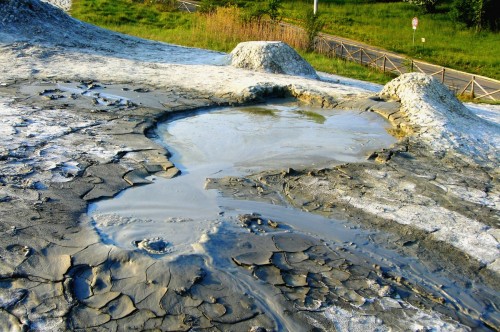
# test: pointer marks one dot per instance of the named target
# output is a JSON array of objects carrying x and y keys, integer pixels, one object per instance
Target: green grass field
[
  {"x": 186, "y": 29},
  {"x": 387, "y": 25}
]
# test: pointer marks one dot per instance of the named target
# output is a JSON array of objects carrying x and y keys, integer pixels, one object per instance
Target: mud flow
[{"x": 301, "y": 269}]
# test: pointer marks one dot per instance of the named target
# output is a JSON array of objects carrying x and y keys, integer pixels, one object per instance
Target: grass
[
  {"x": 388, "y": 25},
  {"x": 221, "y": 31}
]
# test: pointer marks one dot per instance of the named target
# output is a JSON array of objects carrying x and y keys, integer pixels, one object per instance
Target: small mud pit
[{"x": 155, "y": 246}]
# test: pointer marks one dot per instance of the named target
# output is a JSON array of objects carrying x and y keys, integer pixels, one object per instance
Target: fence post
[
  {"x": 385, "y": 60},
  {"x": 442, "y": 75},
  {"x": 411, "y": 69},
  {"x": 341, "y": 50},
  {"x": 361, "y": 56},
  {"x": 472, "y": 87}
]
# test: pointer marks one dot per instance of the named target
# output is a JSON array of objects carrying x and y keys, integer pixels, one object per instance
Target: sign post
[{"x": 414, "y": 24}]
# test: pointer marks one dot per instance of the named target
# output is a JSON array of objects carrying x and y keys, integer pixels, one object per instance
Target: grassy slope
[
  {"x": 388, "y": 25},
  {"x": 191, "y": 30}
]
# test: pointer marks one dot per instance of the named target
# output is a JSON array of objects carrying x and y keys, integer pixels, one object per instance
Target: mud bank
[{"x": 76, "y": 108}]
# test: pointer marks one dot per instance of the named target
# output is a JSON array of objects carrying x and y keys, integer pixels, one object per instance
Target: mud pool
[
  {"x": 171, "y": 218},
  {"x": 230, "y": 142}
]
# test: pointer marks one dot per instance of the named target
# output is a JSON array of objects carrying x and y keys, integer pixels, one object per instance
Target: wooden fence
[
  {"x": 462, "y": 83},
  {"x": 188, "y": 5}
]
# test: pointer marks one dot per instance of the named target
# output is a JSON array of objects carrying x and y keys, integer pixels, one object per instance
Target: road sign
[{"x": 414, "y": 23}]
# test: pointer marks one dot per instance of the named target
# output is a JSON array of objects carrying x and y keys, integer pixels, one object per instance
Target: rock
[{"x": 272, "y": 57}]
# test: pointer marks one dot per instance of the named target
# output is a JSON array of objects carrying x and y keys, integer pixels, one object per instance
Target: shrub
[{"x": 313, "y": 25}]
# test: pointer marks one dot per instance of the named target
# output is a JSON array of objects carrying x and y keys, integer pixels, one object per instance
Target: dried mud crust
[
  {"x": 311, "y": 277},
  {"x": 410, "y": 185},
  {"x": 55, "y": 272},
  {"x": 64, "y": 150}
]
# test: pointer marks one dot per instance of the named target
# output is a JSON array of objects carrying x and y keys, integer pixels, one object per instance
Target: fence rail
[
  {"x": 188, "y": 5},
  {"x": 462, "y": 83}
]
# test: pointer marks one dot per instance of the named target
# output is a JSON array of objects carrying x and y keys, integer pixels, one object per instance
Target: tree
[
  {"x": 274, "y": 9},
  {"x": 429, "y": 6},
  {"x": 313, "y": 25},
  {"x": 480, "y": 14},
  {"x": 256, "y": 10}
]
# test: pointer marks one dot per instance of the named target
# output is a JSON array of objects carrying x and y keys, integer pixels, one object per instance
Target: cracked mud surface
[
  {"x": 57, "y": 273},
  {"x": 69, "y": 141}
]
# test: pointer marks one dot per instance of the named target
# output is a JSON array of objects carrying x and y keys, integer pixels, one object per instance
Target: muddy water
[
  {"x": 179, "y": 216},
  {"x": 226, "y": 142}
]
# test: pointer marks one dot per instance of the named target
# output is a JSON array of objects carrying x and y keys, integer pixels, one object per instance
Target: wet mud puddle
[
  {"x": 231, "y": 142},
  {"x": 325, "y": 269}
]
